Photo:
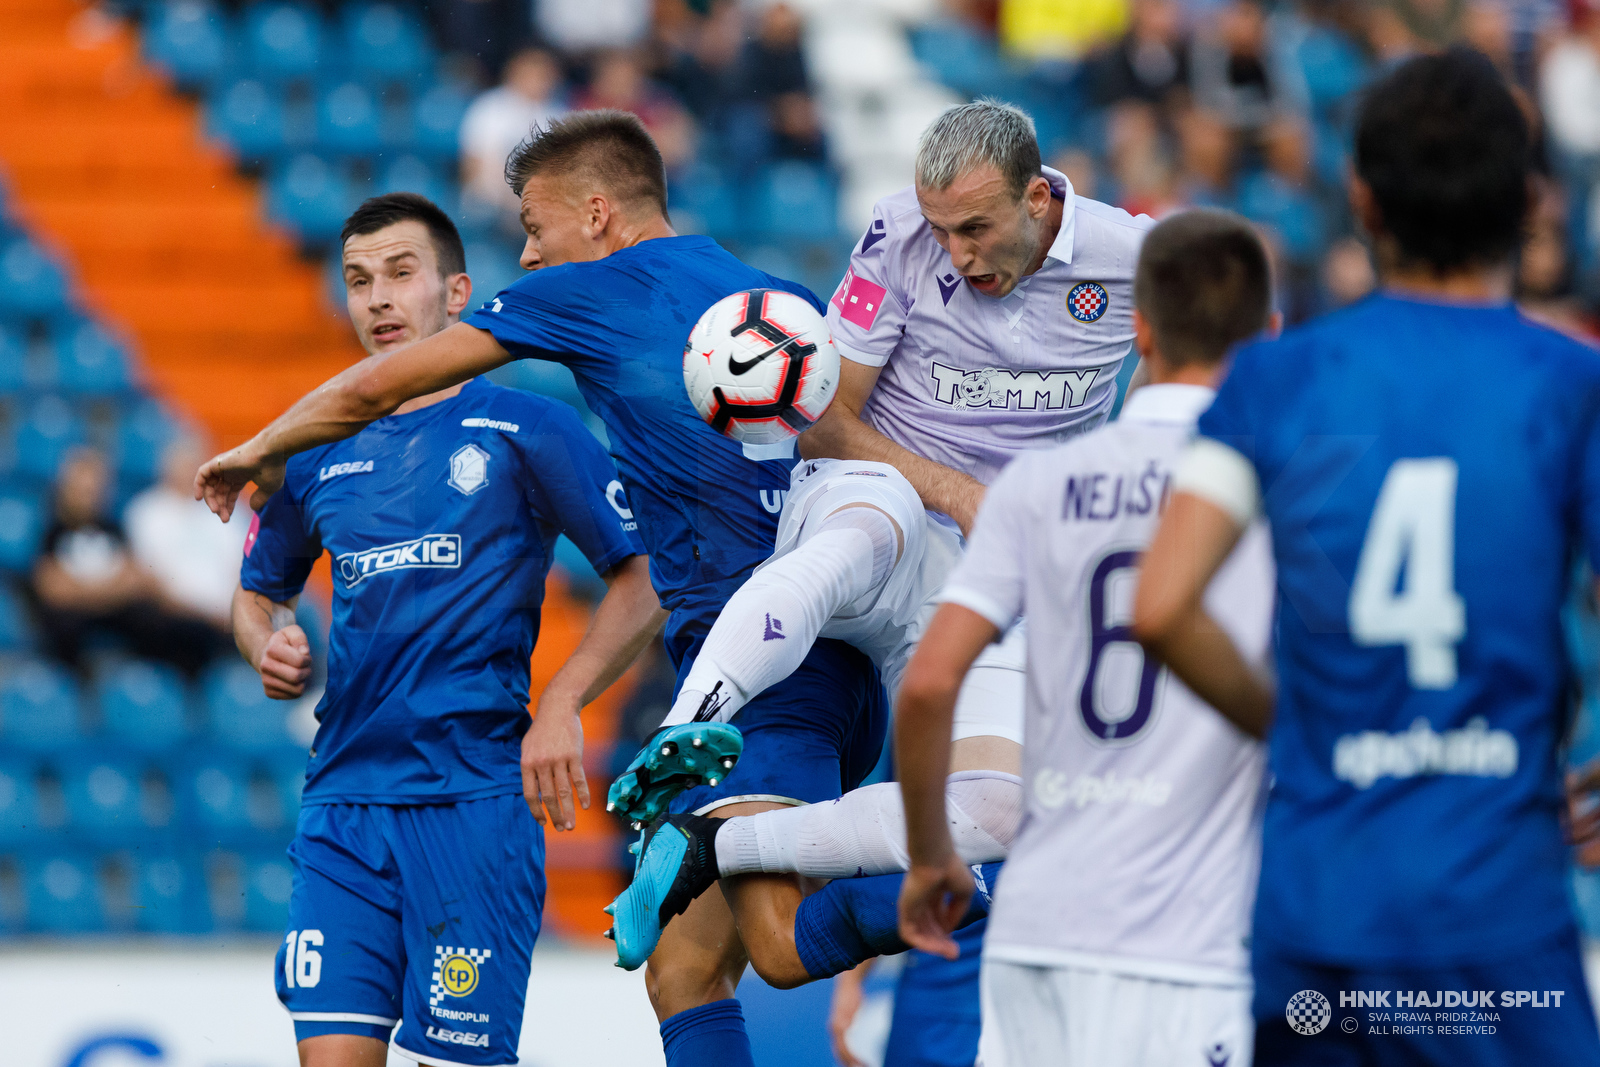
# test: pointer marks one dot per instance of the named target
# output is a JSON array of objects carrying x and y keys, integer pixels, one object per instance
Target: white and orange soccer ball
[{"x": 760, "y": 366}]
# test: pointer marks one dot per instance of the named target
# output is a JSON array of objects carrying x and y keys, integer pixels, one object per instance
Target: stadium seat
[
  {"x": 214, "y": 793},
  {"x": 189, "y": 39},
  {"x": 19, "y": 802},
  {"x": 385, "y": 42},
  {"x": 143, "y": 432},
  {"x": 15, "y": 632},
  {"x": 38, "y": 708},
  {"x": 49, "y": 431},
  {"x": 411, "y": 174},
  {"x": 283, "y": 42},
  {"x": 13, "y": 357},
  {"x": 63, "y": 894},
  {"x": 105, "y": 793},
  {"x": 312, "y": 198},
  {"x": 348, "y": 121},
  {"x": 170, "y": 891},
  {"x": 142, "y": 706},
  {"x": 250, "y": 117},
  {"x": 796, "y": 200},
  {"x": 21, "y": 525},
  {"x": 706, "y": 201},
  {"x": 437, "y": 121},
  {"x": 268, "y": 880},
  {"x": 90, "y": 362},
  {"x": 31, "y": 283},
  {"x": 241, "y": 715}
]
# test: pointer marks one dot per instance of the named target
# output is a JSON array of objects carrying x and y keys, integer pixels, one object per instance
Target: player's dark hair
[
  {"x": 1203, "y": 284},
  {"x": 380, "y": 212},
  {"x": 1445, "y": 149},
  {"x": 612, "y": 147}
]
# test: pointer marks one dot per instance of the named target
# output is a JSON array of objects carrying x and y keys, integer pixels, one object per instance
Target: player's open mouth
[
  {"x": 983, "y": 282},
  {"x": 388, "y": 331}
]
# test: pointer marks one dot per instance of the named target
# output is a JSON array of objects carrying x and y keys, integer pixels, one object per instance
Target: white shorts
[
  {"x": 991, "y": 699},
  {"x": 1070, "y": 1017}
]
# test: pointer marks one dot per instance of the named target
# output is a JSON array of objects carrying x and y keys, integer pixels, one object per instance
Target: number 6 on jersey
[{"x": 1413, "y": 530}]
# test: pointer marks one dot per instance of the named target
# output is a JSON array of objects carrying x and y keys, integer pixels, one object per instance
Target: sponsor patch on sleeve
[{"x": 859, "y": 300}]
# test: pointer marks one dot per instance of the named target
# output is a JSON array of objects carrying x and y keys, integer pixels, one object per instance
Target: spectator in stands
[
  {"x": 86, "y": 584},
  {"x": 529, "y": 93},
  {"x": 1151, "y": 61},
  {"x": 1060, "y": 30},
  {"x": 1569, "y": 91},
  {"x": 1235, "y": 72},
  {"x": 1347, "y": 273},
  {"x": 1281, "y": 199},
  {"x": 1207, "y": 150},
  {"x": 583, "y": 26},
  {"x": 619, "y": 81},
  {"x": 772, "y": 114},
  {"x": 1141, "y": 161},
  {"x": 701, "y": 56},
  {"x": 174, "y": 538},
  {"x": 483, "y": 32}
]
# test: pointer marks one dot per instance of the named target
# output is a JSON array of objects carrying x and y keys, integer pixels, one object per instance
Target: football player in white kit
[
  {"x": 857, "y": 559},
  {"x": 1119, "y": 931}
]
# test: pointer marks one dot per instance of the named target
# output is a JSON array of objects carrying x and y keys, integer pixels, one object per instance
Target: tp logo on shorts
[
  {"x": 455, "y": 972},
  {"x": 1308, "y": 1012},
  {"x": 1087, "y": 301}
]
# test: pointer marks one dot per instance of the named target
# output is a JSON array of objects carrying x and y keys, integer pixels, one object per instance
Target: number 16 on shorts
[{"x": 302, "y": 963}]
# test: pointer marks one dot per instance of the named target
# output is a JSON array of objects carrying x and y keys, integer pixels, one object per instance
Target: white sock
[{"x": 864, "y": 831}]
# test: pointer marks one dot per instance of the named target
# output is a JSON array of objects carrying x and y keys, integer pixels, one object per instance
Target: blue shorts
[
  {"x": 811, "y": 737},
  {"x": 419, "y": 915},
  {"x": 1514, "y": 1032},
  {"x": 936, "y": 1017}
]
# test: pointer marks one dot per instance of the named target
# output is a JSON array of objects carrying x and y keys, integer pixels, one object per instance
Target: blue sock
[
  {"x": 854, "y": 919},
  {"x": 712, "y": 1034}
]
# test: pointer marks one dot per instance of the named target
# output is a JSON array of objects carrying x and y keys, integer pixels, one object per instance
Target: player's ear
[
  {"x": 458, "y": 293},
  {"x": 1364, "y": 206},
  {"x": 598, "y": 216},
  {"x": 1037, "y": 194},
  {"x": 1144, "y": 337}
]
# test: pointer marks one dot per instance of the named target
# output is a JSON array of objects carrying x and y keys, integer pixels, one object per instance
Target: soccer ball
[{"x": 760, "y": 366}]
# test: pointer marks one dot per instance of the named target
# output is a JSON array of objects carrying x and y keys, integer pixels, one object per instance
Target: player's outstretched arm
[
  {"x": 842, "y": 433},
  {"x": 270, "y": 641},
  {"x": 552, "y": 750},
  {"x": 342, "y": 406},
  {"x": 938, "y": 885},
  {"x": 1170, "y": 620}
]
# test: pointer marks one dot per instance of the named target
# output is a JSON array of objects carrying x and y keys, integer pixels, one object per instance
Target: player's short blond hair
[{"x": 984, "y": 132}]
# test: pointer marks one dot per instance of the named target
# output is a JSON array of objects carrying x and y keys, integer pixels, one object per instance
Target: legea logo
[{"x": 431, "y": 550}]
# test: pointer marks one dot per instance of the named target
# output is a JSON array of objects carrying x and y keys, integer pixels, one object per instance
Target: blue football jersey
[
  {"x": 442, "y": 524},
  {"x": 1429, "y": 472},
  {"x": 707, "y": 513}
]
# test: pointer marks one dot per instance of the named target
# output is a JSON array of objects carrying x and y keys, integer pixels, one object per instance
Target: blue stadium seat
[
  {"x": 105, "y": 793},
  {"x": 63, "y": 894},
  {"x": 13, "y": 357},
  {"x": 19, "y": 802},
  {"x": 49, "y": 431},
  {"x": 31, "y": 283},
  {"x": 268, "y": 880},
  {"x": 706, "y": 200},
  {"x": 21, "y": 526},
  {"x": 189, "y": 39},
  {"x": 142, "y": 706},
  {"x": 250, "y": 117},
  {"x": 437, "y": 120},
  {"x": 38, "y": 708},
  {"x": 214, "y": 792},
  {"x": 386, "y": 42},
  {"x": 15, "y": 631},
  {"x": 143, "y": 432},
  {"x": 90, "y": 362},
  {"x": 796, "y": 200},
  {"x": 241, "y": 715},
  {"x": 282, "y": 41},
  {"x": 411, "y": 174},
  {"x": 348, "y": 123},
  {"x": 170, "y": 890},
  {"x": 312, "y": 198}
]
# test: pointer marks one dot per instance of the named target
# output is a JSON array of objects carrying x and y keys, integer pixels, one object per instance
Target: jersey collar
[
  {"x": 1061, "y": 247},
  {"x": 1170, "y": 403}
]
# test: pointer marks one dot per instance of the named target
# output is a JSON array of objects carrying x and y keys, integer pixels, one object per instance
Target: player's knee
[
  {"x": 677, "y": 981},
  {"x": 777, "y": 962}
]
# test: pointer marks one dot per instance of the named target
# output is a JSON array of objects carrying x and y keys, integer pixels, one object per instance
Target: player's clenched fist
[
  {"x": 285, "y": 664},
  {"x": 932, "y": 902},
  {"x": 220, "y": 479},
  {"x": 552, "y": 766}
]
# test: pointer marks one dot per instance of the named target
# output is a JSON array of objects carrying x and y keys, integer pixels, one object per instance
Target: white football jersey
[
  {"x": 969, "y": 381},
  {"x": 1140, "y": 842}
]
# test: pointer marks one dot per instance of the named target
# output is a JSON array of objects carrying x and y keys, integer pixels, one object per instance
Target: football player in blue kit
[
  {"x": 418, "y": 867},
  {"x": 1429, "y": 463},
  {"x": 612, "y": 293}
]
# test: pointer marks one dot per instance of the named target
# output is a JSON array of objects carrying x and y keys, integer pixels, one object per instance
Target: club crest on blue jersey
[
  {"x": 1087, "y": 301},
  {"x": 469, "y": 469}
]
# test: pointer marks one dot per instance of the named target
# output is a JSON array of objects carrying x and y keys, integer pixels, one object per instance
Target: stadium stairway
[{"x": 104, "y": 162}]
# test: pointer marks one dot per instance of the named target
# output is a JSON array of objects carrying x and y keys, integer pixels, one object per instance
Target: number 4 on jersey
[{"x": 1412, "y": 533}]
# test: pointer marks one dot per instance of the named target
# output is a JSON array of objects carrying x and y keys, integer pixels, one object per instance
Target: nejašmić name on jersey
[
  {"x": 1429, "y": 472},
  {"x": 707, "y": 513},
  {"x": 442, "y": 524}
]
